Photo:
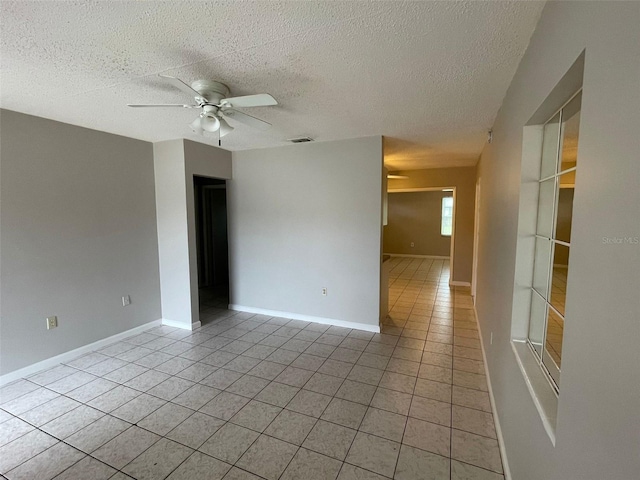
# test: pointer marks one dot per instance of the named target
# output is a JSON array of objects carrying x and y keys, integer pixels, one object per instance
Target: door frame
[{"x": 476, "y": 237}]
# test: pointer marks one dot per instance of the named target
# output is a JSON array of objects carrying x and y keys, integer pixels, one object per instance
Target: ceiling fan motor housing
[
  {"x": 209, "y": 111},
  {"x": 213, "y": 91}
]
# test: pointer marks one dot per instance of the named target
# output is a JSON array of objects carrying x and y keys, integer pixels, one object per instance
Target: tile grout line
[{"x": 438, "y": 287}]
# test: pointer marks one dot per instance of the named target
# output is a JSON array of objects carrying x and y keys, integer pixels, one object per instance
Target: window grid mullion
[
  {"x": 546, "y": 297},
  {"x": 553, "y": 242},
  {"x": 559, "y": 174},
  {"x": 564, "y": 105},
  {"x": 559, "y": 242},
  {"x": 553, "y": 234}
]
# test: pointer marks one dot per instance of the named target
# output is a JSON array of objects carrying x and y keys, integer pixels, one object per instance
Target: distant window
[{"x": 447, "y": 216}]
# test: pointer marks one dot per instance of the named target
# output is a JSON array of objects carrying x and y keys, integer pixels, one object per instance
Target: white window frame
[{"x": 548, "y": 365}]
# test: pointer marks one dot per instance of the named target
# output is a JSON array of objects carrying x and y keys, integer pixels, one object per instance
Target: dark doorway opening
[{"x": 211, "y": 244}]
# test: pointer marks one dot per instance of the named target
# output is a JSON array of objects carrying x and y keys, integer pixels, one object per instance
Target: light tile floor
[{"x": 248, "y": 396}]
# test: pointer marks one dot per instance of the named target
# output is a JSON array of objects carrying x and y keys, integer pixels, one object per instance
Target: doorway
[
  {"x": 420, "y": 238},
  {"x": 422, "y": 225},
  {"x": 210, "y": 201}
]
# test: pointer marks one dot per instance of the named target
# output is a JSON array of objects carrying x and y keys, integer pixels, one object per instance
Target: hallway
[
  {"x": 437, "y": 327},
  {"x": 248, "y": 396}
]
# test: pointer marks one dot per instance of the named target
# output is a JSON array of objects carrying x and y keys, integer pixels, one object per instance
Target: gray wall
[
  {"x": 176, "y": 162},
  {"x": 598, "y": 412},
  {"x": 304, "y": 217},
  {"x": 205, "y": 161},
  {"x": 416, "y": 217},
  {"x": 173, "y": 240},
  {"x": 464, "y": 179},
  {"x": 78, "y": 231}
]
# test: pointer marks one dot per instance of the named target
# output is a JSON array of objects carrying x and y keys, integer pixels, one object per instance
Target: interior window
[{"x": 553, "y": 236}]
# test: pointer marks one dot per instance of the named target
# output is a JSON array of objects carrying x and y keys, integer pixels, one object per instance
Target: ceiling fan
[{"x": 212, "y": 98}]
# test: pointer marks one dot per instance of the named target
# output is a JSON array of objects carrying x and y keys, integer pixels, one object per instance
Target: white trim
[
  {"x": 182, "y": 325},
  {"x": 420, "y": 189},
  {"x": 559, "y": 174},
  {"x": 532, "y": 371},
  {"x": 554, "y": 240},
  {"x": 494, "y": 411},
  {"x": 455, "y": 283},
  {"x": 452, "y": 244},
  {"x": 435, "y": 257},
  {"x": 71, "y": 354},
  {"x": 307, "y": 318},
  {"x": 476, "y": 241}
]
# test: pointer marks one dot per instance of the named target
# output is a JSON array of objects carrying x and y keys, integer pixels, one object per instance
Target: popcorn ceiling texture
[{"x": 430, "y": 76}]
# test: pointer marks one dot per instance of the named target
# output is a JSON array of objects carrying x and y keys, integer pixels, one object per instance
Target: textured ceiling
[{"x": 429, "y": 76}]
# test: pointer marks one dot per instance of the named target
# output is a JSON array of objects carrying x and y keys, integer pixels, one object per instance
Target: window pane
[
  {"x": 446, "y": 225},
  {"x": 570, "y": 130},
  {"x": 552, "y": 356},
  {"x": 559, "y": 277},
  {"x": 553, "y": 226},
  {"x": 565, "y": 208},
  {"x": 541, "y": 266},
  {"x": 537, "y": 320},
  {"x": 546, "y": 196},
  {"x": 550, "y": 142}
]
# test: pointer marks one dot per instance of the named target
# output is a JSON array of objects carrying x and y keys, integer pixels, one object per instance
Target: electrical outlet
[
  {"x": 52, "y": 322},
  {"x": 126, "y": 300},
  {"x": 413, "y": 244},
  {"x": 324, "y": 291}
]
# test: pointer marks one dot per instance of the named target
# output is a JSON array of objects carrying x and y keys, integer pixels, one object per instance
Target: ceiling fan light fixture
[
  {"x": 196, "y": 127},
  {"x": 225, "y": 128},
  {"x": 209, "y": 123}
]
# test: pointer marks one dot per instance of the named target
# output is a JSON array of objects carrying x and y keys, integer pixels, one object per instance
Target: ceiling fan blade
[
  {"x": 163, "y": 105},
  {"x": 246, "y": 119},
  {"x": 179, "y": 84},
  {"x": 259, "y": 100}
]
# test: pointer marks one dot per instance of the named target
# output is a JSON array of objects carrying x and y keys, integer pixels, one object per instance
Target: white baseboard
[
  {"x": 71, "y": 354},
  {"x": 182, "y": 325},
  {"x": 434, "y": 257},
  {"x": 455, "y": 283},
  {"x": 494, "y": 411},
  {"x": 307, "y": 318}
]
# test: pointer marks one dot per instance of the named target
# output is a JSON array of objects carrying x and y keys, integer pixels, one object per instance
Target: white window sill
[{"x": 543, "y": 395}]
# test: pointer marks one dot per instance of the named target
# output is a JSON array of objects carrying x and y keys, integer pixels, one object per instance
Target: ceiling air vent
[{"x": 301, "y": 140}]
